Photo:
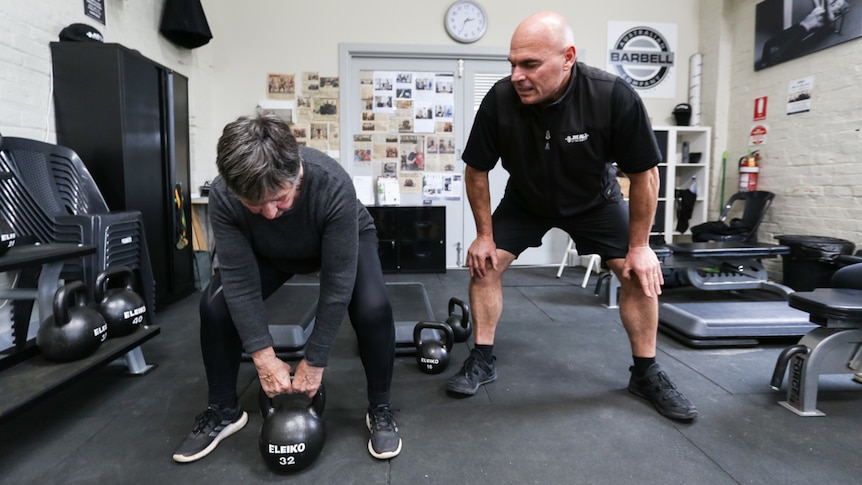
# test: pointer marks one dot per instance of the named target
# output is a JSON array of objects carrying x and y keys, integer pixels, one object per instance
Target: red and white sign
[
  {"x": 760, "y": 108},
  {"x": 757, "y": 136}
]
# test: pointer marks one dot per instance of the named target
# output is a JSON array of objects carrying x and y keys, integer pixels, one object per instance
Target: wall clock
[{"x": 466, "y": 21}]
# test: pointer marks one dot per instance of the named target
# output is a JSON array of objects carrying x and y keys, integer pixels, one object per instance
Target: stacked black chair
[
  {"x": 742, "y": 229},
  {"x": 52, "y": 197},
  {"x": 31, "y": 225}
]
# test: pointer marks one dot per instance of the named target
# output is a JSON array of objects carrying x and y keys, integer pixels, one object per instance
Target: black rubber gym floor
[{"x": 558, "y": 413}]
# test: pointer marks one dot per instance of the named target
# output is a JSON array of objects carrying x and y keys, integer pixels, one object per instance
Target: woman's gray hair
[{"x": 257, "y": 155}]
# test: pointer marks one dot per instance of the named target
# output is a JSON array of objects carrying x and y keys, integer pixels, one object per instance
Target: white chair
[{"x": 593, "y": 264}]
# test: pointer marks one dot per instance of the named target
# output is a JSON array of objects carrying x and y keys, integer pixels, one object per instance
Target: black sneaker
[
  {"x": 211, "y": 426},
  {"x": 657, "y": 388},
  {"x": 385, "y": 442},
  {"x": 473, "y": 374}
]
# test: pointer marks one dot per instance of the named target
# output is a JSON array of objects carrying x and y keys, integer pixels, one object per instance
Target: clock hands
[{"x": 464, "y": 24}]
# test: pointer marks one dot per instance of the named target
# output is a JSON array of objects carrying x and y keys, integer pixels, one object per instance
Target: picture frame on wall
[{"x": 788, "y": 29}]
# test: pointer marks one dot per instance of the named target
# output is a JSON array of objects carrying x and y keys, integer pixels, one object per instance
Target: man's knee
[{"x": 493, "y": 276}]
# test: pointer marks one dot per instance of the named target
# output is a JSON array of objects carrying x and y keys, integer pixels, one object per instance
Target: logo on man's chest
[{"x": 577, "y": 137}]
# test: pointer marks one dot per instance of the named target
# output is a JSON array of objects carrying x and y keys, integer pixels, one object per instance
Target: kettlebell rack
[
  {"x": 34, "y": 378},
  {"x": 24, "y": 375}
]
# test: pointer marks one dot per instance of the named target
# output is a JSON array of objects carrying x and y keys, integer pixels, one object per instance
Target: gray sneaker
[
  {"x": 211, "y": 426},
  {"x": 473, "y": 374},
  {"x": 385, "y": 442}
]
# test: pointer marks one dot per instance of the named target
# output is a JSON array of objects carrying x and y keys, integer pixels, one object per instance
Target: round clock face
[{"x": 466, "y": 21}]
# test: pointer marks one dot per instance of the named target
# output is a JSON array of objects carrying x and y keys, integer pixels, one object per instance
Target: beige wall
[{"x": 256, "y": 37}]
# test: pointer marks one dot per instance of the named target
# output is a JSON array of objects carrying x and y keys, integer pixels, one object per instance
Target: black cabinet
[
  {"x": 412, "y": 239},
  {"x": 127, "y": 117}
]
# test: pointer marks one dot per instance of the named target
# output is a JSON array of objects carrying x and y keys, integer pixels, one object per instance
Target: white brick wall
[
  {"x": 25, "y": 60},
  {"x": 811, "y": 160}
]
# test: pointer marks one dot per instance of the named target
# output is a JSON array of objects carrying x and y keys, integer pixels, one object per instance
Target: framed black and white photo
[{"x": 787, "y": 29}]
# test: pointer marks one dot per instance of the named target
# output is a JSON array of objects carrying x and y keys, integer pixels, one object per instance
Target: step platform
[
  {"x": 293, "y": 308},
  {"x": 410, "y": 305},
  {"x": 732, "y": 323}
]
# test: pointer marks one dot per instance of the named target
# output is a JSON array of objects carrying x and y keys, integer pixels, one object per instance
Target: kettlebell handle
[
  {"x": 446, "y": 329},
  {"x": 113, "y": 272},
  {"x": 465, "y": 309},
  {"x": 63, "y": 300},
  {"x": 315, "y": 406}
]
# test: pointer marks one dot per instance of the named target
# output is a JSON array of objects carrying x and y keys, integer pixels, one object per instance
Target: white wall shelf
[{"x": 677, "y": 173}]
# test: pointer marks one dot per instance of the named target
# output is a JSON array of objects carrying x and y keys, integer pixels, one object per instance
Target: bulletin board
[{"x": 406, "y": 134}]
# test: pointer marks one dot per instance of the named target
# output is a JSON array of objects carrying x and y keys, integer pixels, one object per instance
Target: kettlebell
[
  {"x": 293, "y": 431},
  {"x": 75, "y": 330},
  {"x": 123, "y": 309},
  {"x": 461, "y": 326},
  {"x": 7, "y": 236},
  {"x": 432, "y": 355}
]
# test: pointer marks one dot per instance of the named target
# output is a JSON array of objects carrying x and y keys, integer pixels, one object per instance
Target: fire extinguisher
[{"x": 748, "y": 171}]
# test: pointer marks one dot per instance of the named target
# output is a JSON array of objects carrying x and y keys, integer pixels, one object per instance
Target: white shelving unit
[{"x": 679, "y": 174}]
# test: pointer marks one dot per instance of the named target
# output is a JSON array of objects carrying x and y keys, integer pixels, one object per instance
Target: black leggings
[{"x": 370, "y": 314}]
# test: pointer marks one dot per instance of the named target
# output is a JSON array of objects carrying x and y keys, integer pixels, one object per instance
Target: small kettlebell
[
  {"x": 123, "y": 309},
  {"x": 461, "y": 326},
  {"x": 293, "y": 431},
  {"x": 432, "y": 355},
  {"x": 74, "y": 331}
]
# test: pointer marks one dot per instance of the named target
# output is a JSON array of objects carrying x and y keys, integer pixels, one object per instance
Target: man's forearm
[
  {"x": 479, "y": 196},
  {"x": 643, "y": 198}
]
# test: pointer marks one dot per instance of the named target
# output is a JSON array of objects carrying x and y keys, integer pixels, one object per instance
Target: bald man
[{"x": 558, "y": 125}]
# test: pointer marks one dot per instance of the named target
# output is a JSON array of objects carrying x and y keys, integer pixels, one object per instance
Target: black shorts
[{"x": 603, "y": 230}]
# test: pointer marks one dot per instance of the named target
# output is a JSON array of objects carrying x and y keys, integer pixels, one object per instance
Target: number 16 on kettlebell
[{"x": 432, "y": 355}]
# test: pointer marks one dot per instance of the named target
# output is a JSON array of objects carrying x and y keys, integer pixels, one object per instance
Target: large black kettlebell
[
  {"x": 293, "y": 432},
  {"x": 123, "y": 309},
  {"x": 461, "y": 326},
  {"x": 432, "y": 355},
  {"x": 7, "y": 236},
  {"x": 75, "y": 330}
]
